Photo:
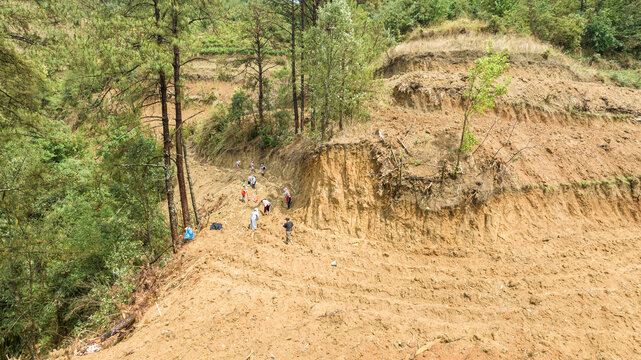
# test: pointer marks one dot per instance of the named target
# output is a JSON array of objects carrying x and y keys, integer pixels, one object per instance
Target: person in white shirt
[
  {"x": 253, "y": 219},
  {"x": 267, "y": 205}
]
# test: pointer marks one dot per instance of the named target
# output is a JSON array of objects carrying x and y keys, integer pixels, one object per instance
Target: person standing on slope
[
  {"x": 288, "y": 197},
  {"x": 289, "y": 227},
  {"x": 243, "y": 192},
  {"x": 267, "y": 205},
  {"x": 252, "y": 165},
  {"x": 238, "y": 164},
  {"x": 253, "y": 219},
  {"x": 252, "y": 181},
  {"x": 262, "y": 169}
]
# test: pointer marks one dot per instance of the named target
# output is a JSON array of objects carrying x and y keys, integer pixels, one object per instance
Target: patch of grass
[
  {"x": 470, "y": 35},
  {"x": 452, "y": 27},
  {"x": 623, "y": 179},
  {"x": 514, "y": 44},
  {"x": 224, "y": 76},
  {"x": 423, "y": 140},
  {"x": 549, "y": 189},
  {"x": 628, "y": 78}
]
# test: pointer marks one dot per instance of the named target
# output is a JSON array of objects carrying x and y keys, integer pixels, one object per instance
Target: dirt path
[{"x": 247, "y": 295}]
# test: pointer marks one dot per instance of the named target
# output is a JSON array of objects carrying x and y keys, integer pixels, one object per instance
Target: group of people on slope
[
  {"x": 262, "y": 167},
  {"x": 255, "y": 215}
]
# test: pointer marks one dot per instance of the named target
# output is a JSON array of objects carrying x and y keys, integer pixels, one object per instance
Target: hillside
[{"x": 531, "y": 253}]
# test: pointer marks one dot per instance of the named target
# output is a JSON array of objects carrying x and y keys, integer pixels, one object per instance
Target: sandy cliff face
[{"x": 344, "y": 190}]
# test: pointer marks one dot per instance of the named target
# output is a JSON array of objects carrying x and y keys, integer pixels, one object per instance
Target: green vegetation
[
  {"x": 82, "y": 178},
  {"x": 337, "y": 65},
  {"x": 336, "y": 72},
  {"x": 629, "y": 78},
  {"x": 480, "y": 94},
  {"x": 610, "y": 27}
]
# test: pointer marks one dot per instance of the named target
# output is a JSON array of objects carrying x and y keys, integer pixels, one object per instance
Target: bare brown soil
[
  {"x": 532, "y": 253},
  {"x": 539, "y": 273}
]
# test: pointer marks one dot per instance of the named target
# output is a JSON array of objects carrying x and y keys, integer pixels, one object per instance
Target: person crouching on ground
[
  {"x": 253, "y": 219},
  {"x": 289, "y": 227},
  {"x": 267, "y": 205}
]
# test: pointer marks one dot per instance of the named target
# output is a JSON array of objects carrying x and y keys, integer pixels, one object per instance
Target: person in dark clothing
[
  {"x": 289, "y": 227},
  {"x": 262, "y": 169}
]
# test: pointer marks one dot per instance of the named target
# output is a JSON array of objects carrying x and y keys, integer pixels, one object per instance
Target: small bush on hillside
[
  {"x": 400, "y": 16},
  {"x": 240, "y": 105},
  {"x": 601, "y": 35},
  {"x": 224, "y": 76},
  {"x": 209, "y": 133},
  {"x": 209, "y": 98},
  {"x": 481, "y": 92},
  {"x": 567, "y": 31},
  {"x": 501, "y": 8},
  {"x": 277, "y": 131}
]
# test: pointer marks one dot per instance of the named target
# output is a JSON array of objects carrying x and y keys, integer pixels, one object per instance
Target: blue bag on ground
[
  {"x": 216, "y": 226},
  {"x": 189, "y": 233}
]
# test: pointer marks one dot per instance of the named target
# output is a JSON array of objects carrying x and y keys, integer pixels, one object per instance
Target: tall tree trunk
[
  {"x": 341, "y": 104},
  {"x": 180, "y": 173},
  {"x": 302, "y": 73},
  {"x": 32, "y": 319},
  {"x": 293, "y": 13},
  {"x": 314, "y": 12},
  {"x": 261, "y": 96},
  {"x": 167, "y": 157},
  {"x": 325, "y": 116},
  {"x": 191, "y": 188},
  {"x": 162, "y": 82},
  {"x": 460, "y": 148}
]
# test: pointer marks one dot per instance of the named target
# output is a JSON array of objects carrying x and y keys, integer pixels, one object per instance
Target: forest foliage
[
  {"x": 83, "y": 180},
  {"x": 606, "y": 27},
  {"x": 605, "y": 32}
]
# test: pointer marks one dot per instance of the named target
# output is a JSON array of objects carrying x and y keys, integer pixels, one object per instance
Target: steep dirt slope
[
  {"x": 533, "y": 252},
  {"x": 534, "y": 274}
]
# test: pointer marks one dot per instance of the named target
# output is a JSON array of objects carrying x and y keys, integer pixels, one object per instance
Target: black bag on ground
[{"x": 216, "y": 226}]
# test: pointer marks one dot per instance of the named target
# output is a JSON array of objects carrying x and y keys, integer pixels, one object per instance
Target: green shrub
[
  {"x": 501, "y": 8},
  {"x": 600, "y": 33},
  {"x": 240, "y": 104},
  {"x": 224, "y": 76},
  {"x": 400, "y": 16},
  {"x": 567, "y": 31},
  {"x": 209, "y": 133},
  {"x": 428, "y": 12},
  {"x": 277, "y": 131}
]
